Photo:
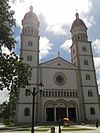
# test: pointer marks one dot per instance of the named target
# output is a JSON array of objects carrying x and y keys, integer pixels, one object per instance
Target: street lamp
[
  {"x": 34, "y": 93},
  {"x": 59, "y": 121},
  {"x": 59, "y": 117}
]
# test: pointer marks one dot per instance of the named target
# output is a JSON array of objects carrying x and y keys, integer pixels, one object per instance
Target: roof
[
  {"x": 58, "y": 62},
  {"x": 30, "y": 16},
  {"x": 78, "y": 23}
]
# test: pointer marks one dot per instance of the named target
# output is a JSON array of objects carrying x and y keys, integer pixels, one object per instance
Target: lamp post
[
  {"x": 59, "y": 118},
  {"x": 34, "y": 93}
]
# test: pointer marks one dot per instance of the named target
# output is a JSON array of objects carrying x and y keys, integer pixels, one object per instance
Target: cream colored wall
[
  {"x": 92, "y": 99},
  {"x": 88, "y": 115},
  {"x": 48, "y": 78},
  {"x": 88, "y": 48},
  {"x": 26, "y": 39},
  {"x": 21, "y": 118},
  {"x": 30, "y": 53},
  {"x": 49, "y": 83},
  {"x": 78, "y": 29},
  {"x": 90, "y": 61},
  {"x": 90, "y": 82}
]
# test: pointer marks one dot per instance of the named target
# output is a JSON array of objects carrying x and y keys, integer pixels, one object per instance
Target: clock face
[{"x": 59, "y": 78}]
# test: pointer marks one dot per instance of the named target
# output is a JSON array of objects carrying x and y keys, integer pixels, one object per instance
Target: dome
[
  {"x": 30, "y": 19},
  {"x": 78, "y": 23}
]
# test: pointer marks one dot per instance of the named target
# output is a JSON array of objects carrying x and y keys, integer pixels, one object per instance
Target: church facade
[{"x": 70, "y": 88}]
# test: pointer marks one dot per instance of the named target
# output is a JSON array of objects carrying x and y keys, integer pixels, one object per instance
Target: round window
[{"x": 60, "y": 78}]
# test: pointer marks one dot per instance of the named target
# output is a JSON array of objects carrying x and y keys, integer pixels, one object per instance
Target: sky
[{"x": 56, "y": 18}]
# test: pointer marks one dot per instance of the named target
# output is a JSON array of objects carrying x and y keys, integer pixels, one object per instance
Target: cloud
[
  {"x": 45, "y": 47},
  {"x": 97, "y": 63},
  {"x": 89, "y": 21},
  {"x": 96, "y": 46},
  {"x": 21, "y": 7},
  {"x": 56, "y": 13},
  {"x": 59, "y": 13},
  {"x": 4, "y": 95},
  {"x": 13, "y": 1},
  {"x": 97, "y": 67},
  {"x": 66, "y": 45},
  {"x": 56, "y": 29},
  {"x": 98, "y": 82},
  {"x": 5, "y": 50},
  {"x": 21, "y": 1}
]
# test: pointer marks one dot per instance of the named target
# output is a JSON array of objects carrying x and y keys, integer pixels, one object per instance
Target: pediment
[{"x": 58, "y": 63}]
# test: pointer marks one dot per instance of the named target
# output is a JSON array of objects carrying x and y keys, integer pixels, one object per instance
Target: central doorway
[
  {"x": 72, "y": 113},
  {"x": 60, "y": 113},
  {"x": 49, "y": 114}
]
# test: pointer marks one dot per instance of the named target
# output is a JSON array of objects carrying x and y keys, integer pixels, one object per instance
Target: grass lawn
[
  {"x": 45, "y": 126},
  {"x": 73, "y": 128},
  {"x": 42, "y": 128}
]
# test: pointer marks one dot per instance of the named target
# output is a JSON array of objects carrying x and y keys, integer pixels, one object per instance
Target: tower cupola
[
  {"x": 30, "y": 23},
  {"x": 78, "y": 29},
  {"x": 30, "y": 19}
]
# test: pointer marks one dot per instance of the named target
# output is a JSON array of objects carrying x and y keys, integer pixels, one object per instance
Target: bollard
[{"x": 52, "y": 129}]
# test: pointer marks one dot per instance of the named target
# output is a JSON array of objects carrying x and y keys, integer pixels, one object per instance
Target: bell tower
[
  {"x": 82, "y": 57},
  {"x": 30, "y": 38},
  {"x": 30, "y": 44},
  {"x": 30, "y": 54}
]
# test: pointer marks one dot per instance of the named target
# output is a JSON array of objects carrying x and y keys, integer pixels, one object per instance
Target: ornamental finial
[
  {"x": 31, "y": 8},
  {"x": 77, "y": 15}
]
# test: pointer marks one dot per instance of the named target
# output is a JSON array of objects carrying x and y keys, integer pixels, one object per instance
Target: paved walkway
[{"x": 95, "y": 130}]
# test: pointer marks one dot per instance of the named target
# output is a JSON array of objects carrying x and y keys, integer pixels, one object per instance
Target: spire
[
  {"x": 31, "y": 8},
  {"x": 58, "y": 54},
  {"x": 77, "y": 15}
]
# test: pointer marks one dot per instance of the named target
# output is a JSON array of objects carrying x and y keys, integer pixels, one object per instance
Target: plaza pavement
[{"x": 95, "y": 130}]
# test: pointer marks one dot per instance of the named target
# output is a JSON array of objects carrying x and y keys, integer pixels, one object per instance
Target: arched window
[
  {"x": 78, "y": 37},
  {"x": 83, "y": 48},
  {"x": 27, "y": 93},
  {"x": 30, "y": 43},
  {"x": 92, "y": 111},
  {"x": 26, "y": 112},
  {"x": 87, "y": 77},
  {"x": 29, "y": 58},
  {"x": 86, "y": 62},
  {"x": 90, "y": 93},
  {"x": 29, "y": 30}
]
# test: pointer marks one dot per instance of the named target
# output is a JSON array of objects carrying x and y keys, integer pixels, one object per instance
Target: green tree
[
  {"x": 12, "y": 70},
  {"x": 4, "y": 110},
  {"x": 7, "y": 22},
  {"x": 6, "y": 114}
]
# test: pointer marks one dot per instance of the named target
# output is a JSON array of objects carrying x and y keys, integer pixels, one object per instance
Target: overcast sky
[{"x": 56, "y": 18}]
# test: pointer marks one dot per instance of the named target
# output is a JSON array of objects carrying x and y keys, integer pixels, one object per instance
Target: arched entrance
[
  {"x": 60, "y": 111},
  {"x": 55, "y": 111},
  {"x": 72, "y": 112},
  {"x": 49, "y": 112}
]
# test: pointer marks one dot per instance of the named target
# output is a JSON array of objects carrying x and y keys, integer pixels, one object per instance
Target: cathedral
[{"x": 70, "y": 88}]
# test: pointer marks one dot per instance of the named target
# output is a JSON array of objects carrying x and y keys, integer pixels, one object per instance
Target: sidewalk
[{"x": 95, "y": 130}]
